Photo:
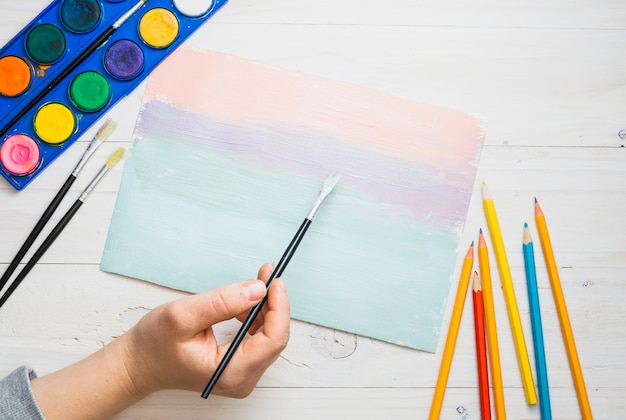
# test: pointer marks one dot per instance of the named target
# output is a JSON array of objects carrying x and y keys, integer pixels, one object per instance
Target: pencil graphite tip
[
  {"x": 538, "y": 211},
  {"x": 106, "y": 130},
  {"x": 476, "y": 283},
  {"x": 527, "y": 238},
  {"x": 481, "y": 239},
  {"x": 115, "y": 157},
  {"x": 470, "y": 251}
]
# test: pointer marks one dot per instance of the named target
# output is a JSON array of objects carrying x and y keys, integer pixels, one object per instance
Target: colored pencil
[
  {"x": 103, "y": 133},
  {"x": 97, "y": 43},
  {"x": 326, "y": 189},
  {"x": 509, "y": 297},
  {"x": 481, "y": 350},
  {"x": 535, "y": 318},
  {"x": 56, "y": 231},
  {"x": 561, "y": 308},
  {"x": 490, "y": 326},
  {"x": 453, "y": 330}
]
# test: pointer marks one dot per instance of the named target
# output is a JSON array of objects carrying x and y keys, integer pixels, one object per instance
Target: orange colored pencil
[
  {"x": 492, "y": 332},
  {"x": 481, "y": 349},
  {"x": 453, "y": 330},
  {"x": 561, "y": 309}
]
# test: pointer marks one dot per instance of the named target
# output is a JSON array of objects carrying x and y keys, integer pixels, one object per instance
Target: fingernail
[{"x": 254, "y": 290}]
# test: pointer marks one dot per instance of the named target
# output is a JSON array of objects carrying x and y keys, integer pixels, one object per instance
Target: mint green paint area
[{"x": 190, "y": 217}]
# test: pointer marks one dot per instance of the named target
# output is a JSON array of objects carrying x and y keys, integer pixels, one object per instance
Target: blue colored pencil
[{"x": 535, "y": 319}]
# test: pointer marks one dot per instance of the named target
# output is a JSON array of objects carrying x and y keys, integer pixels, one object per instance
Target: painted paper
[{"x": 227, "y": 158}]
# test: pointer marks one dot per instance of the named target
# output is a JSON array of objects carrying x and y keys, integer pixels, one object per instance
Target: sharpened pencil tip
[
  {"x": 470, "y": 251},
  {"x": 476, "y": 283},
  {"x": 526, "y": 238},
  {"x": 486, "y": 194},
  {"x": 481, "y": 240},
  {"x": 538, "y": 211}
]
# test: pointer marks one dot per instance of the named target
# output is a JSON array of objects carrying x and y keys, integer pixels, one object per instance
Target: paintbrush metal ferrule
[
  {"x": 97, "y": 43},
  {"x": 56, "y": 231},
  {"x": 101, "y": 40},
  {"x": 111, "y": 162},
  {"x": 128, "y": 14},
  {"x": 326, "y": 189},
  {"x": 101, "y": 135}
]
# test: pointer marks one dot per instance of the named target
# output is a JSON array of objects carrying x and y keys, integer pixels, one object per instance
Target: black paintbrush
[
  {"x": 97, "y": 43},
  {"x": 328, "y": 186},
  {"x": 103, "y": 133},
  {"x": 113, "y": 159}
]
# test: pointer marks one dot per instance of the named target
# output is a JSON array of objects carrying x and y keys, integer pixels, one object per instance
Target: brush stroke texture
[{"x": 228, "y": 157}]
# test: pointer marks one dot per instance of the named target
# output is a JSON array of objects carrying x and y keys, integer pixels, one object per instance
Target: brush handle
[
  {"x": 278, "y": 271},
  {"x": 71, "y": 67},
  {"x": 45, "y": 217},
  {"x": 42, "y": 249},
  {"x": 91, "y": 48}
]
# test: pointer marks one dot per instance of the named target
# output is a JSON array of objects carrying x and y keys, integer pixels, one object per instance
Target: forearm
[
  {"x": 172, "y": 347},
  {"x": 98, "y": 386}
]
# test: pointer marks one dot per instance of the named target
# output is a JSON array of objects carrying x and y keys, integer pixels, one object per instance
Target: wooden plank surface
[{"x": 550, "y": 79}]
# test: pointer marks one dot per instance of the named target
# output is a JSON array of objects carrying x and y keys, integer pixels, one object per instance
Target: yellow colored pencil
[
  {"x": 509, "y": 297},
  {"x": 492, "y": 332},
  {"x": 561, "y": 308},
  {"x": 453, "y": 330}
]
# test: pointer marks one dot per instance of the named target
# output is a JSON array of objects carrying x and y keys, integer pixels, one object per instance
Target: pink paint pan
[{"x": 19, "y": 155}]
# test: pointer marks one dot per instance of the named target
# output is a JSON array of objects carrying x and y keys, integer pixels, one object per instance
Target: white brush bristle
[
  {"x": 330, "y": 183},
  {"x": 106, "y": 130}
]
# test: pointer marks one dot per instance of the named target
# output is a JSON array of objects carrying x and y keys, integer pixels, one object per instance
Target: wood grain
[{"x": 549, "y": 77}]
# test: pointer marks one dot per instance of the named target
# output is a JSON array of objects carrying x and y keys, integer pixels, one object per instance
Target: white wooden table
[{"x": 551, "y": 79}]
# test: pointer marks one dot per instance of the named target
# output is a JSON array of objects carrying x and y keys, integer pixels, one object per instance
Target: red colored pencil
[{"x": 481, "y": 348}]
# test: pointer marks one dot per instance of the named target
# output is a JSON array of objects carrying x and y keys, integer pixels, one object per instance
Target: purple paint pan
[{"x": 124, "y": 59}]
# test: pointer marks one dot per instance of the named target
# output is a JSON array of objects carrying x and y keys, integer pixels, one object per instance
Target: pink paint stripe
[{"x": 238, "y": 90}]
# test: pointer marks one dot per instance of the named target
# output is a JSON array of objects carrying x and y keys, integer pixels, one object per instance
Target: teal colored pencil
[{"x": 535, "y": 319}]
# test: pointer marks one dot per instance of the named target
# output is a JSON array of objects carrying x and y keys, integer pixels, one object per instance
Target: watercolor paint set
[{"x": 75, "y": 61}]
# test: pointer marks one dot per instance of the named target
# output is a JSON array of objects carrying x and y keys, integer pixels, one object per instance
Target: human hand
[{"x": 174, "y": 347}]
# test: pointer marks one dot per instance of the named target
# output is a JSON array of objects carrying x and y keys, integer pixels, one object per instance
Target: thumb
[{"x": 221, "y": 304}]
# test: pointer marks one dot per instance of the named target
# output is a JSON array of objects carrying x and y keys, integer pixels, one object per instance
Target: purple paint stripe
[{"x": 434, "y": 194}]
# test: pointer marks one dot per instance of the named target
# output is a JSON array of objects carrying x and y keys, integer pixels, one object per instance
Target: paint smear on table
[{"x": 227, "y": 158}]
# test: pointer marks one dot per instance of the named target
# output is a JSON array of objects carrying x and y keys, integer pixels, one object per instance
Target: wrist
[
  {"x": 99, "y": 386},
  {"x": 135, "y": 367}
]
